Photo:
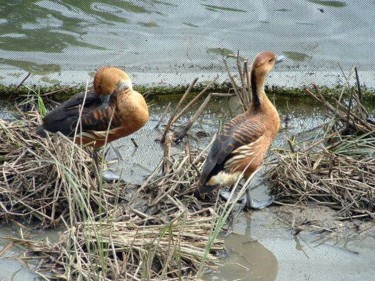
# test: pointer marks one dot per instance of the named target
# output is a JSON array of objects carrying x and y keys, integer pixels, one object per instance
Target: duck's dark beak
[
  {"x": 105, "y": 99},
  {"x": 122, "y": 85},
  {"x": 279, "y": 59}
]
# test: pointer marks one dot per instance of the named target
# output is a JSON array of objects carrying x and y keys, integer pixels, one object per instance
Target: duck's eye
[{"x": 270, "y": 60}]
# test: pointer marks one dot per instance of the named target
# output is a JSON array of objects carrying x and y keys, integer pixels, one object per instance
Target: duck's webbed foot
[
  {"x": 247, "y": 202},
  {"x": 110, "y": 176},
  {"x": 251, "y": 203}
]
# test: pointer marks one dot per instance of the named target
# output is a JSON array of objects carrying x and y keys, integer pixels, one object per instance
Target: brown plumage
[
  {"x": 245, "y": 140},
  {"x": 113, "y": 110}
]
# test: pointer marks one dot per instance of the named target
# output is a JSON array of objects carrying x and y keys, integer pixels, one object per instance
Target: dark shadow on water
[{"x": 221, "y": 8}]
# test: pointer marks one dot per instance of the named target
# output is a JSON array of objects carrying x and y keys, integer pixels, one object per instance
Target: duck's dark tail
[
  {"x": 41, "y": 132},
  {"x": 204, "y": 188}
]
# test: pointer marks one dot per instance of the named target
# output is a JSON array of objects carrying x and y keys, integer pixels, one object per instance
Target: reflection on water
[
  {"x": 166, "y": 37},
  {"x": 11, "y": 269},
  {"x": 248, "y": 258},
  {"x": 220, "y": 8},
  {"x": 337, "y": 4}
]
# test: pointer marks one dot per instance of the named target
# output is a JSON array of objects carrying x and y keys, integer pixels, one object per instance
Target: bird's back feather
[{"x": 238, "y": 132}]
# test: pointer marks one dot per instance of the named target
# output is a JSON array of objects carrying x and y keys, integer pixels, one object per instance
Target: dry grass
[
  {"x": 338, "y": 170},
  {"x": 157, "y": 231},
  {"x": 39, "y": 176},
  {"x": 332, "y": 178},
  {"x": 132, "y": 248}
]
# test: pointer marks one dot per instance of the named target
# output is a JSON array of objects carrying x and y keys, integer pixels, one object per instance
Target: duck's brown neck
[{"x": 257, "y": 89}]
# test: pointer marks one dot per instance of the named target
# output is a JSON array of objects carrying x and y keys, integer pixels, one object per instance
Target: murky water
[
  {"x": 262, "y": 250},
  {"x": 172, "y": 41},
  {"x": 10, "y": 268}
]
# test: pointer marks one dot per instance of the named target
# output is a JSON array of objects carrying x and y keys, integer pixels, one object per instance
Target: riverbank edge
[{"x": 62, "y": 92}]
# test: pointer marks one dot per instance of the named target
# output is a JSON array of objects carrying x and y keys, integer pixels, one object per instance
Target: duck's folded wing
[
  {"x": 64, "y": 117},
  {"x": 102, "y": 118},
  {"x": 233, "y": 137}
]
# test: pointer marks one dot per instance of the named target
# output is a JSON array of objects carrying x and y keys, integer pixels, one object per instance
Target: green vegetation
[
  {"x": 41, "y": 106},
  {"x": 35, "y": 68},
  {"x": 167, "y": 93}
]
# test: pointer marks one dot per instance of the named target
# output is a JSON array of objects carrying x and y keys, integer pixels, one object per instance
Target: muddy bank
[{"x": 163, "y": 83}]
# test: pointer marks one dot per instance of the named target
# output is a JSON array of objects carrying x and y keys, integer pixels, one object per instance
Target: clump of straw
[
  {"x": 160, "y": 232},
  {"x": 39, "y": 177},
  {"x": 128, "y": 245},
  {"x": 339, "y": 169},
  {"x": 155, "y": 231}
]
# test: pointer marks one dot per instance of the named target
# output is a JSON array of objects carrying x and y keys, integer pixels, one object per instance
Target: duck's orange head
[
  {"x": 107, "y": 80},
  {"x": 264, "y": 62}
]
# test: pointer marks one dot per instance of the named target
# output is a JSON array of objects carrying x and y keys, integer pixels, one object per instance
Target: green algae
[
  {"x": 34, "y": 68},
  {"x": 49, "y": 80},
  {"x": 224, "y": 52},
  {"x": 150, "y": 24},
  {"x": 296, "y": 56},
  {"x": 221, "y": 51}
]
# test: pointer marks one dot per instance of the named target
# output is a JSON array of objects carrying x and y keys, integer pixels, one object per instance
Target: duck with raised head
[
  {"x": 112, "y": 111},
  {"x": 240, "y": 148}
]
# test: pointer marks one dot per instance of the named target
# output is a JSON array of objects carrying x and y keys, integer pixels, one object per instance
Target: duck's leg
[
  {"x": 248, "y": 200},
  {"x": 256, "y": 204},
  {"x": 95, "y": 156},
  {"x": 106, "y": 174}
]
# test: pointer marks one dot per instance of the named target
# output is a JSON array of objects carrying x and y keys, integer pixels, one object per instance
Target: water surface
[{"x": 162, "y": 41}]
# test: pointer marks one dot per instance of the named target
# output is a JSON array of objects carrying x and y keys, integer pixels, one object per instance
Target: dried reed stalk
[
  {"x": 161, "y": 234},
  {"x": 38, "y": 176},
  {"x": 177, "y": 113},
  {"x": 242, "y": 91},
  {"x": 338, "y": 170},
  {"x": 131, "y": 248}
]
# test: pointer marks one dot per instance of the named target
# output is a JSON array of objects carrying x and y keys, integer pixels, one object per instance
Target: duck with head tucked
[
  {"x": 240, "y": 148},
  {"x": 112, "y": 111}
]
